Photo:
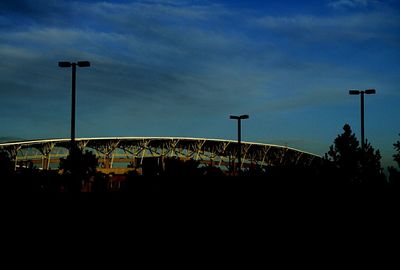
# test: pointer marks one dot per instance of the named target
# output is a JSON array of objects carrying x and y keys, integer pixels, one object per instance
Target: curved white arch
[{"x": 61, "y": 140}]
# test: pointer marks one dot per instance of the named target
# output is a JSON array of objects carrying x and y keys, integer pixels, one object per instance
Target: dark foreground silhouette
[{"x": 290, "y": 179}]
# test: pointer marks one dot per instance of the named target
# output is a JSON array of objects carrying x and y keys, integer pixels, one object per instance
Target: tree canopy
[
  {"x": 353, "y": 164},
  {"x": 79, "y": 166},
  {"x": 397, "y": 155},
  {"x": 394, "y": 174}
]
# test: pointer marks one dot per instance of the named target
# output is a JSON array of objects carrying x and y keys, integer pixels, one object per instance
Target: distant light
[
  {"x": 370, "y": 91},
  {"x": 64, "y": 64},
  {"x": 83, "y": 64},
  {"x": 354, "y": 92}
]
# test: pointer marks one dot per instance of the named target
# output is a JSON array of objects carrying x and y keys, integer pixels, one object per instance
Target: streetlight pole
[
  {"x": 239, "y": 118},
  {"x": 64, "y": 64},
  {"x": 73, "y": 104},
  {"x": 361, "y": 93}
]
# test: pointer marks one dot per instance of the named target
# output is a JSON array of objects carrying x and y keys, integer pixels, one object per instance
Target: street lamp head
[
  {"x": 370, "y": 91},
  {"x": 83, "y": 64},
  {"x": 357, "y": 92},
  {"x": 243, "y": 116},
  {"x": 354, "y": 92},
  {"x": 64, "y": 64}
]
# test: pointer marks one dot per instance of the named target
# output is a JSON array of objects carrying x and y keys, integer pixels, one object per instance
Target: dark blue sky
[{"x": 180, "y": 68}]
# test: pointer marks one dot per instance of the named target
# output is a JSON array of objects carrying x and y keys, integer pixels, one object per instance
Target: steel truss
[{"x": 221, "y": 153}]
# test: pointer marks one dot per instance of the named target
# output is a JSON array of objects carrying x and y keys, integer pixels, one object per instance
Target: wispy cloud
[
  {"x": 342, "y": 4},
  {"x": 142, "y": 55},
  {"x": 350, "y": 27}
]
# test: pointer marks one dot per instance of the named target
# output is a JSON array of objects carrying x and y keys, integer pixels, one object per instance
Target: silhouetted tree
[
  {"x": 6, "y": 164},
  {"x": 394, "y": 174},
  {"x": 78, "y": 169},
  {"x": 175, "y": 167},
  {"x": 397, "y": 156},
  {"x": 6, "y": 171},
  {"x": 344, "y": 156},
  {"x": 371, "y": 169},
  {"x": 347, "y": 162}
]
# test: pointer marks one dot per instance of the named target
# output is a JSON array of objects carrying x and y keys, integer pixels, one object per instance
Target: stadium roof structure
[{"x": 112, "y": 151}]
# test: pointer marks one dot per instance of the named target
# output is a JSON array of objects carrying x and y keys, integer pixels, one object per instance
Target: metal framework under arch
[{"x": 114, "y": 151}]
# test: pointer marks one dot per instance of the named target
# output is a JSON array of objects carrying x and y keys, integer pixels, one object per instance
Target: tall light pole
[
  {"x": 361, "y": 93},
  {"x": 239, "y": 118},
  {"x": 64, "y": 64}
]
